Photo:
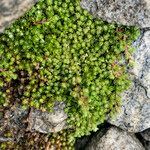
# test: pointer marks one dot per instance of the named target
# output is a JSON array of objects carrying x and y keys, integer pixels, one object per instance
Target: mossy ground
[{"x": 59, "y": 52}]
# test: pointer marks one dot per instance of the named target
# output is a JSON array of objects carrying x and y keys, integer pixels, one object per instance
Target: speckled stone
[
  {"x": 126, "y": 12},
  {"x": 114, "y": 139},
  {"x": 135, "y": 112},
  {"x": 14, "y": 119},
  {"x": 10, "y": 10},
  {"x": 45, "y": 122}
]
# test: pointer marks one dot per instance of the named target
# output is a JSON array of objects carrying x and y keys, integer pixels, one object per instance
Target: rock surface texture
[
  {"x": 14, "y": 119},
  {"x": 135, "y": 113},
  {"x": 115, "y": 139},
  {"x": 45, "y": 122},
  {"x": 10, "y": 10},
  {"x": 20, "y": 121},
  {"x": 126, "y": 12}
]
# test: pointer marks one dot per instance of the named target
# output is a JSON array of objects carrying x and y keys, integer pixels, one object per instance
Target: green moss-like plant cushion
[{"x": 59, "y": 52}]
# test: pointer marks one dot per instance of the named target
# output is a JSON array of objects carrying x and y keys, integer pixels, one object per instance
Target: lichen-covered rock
[
  {"x": 126, "y": 12},
  {"x": 45, "y": 122},
  {"x": 135, "y": 112},
  {"x": 10, "y": 10},
  {"x": 141, "y": 69},
  {"x": 114, "y": 139},
  {"x": 146, "y": 134}
]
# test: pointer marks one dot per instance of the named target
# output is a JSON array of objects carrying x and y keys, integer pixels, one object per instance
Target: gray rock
[
  {"x": 14, "y": 120},
  {"x": 146, "y": 134},
  {"x": 115, "y": 139},
  {"x": 10, "y": 10},
  {"x": 126, "y": 12},
  {"x": 45, "y": 122},
  {"x": 20, "y": 121},
  {"x": 17, "y": 115},
  {"x": 141, "y": 70},
  {"x": 135, "y": 112}
]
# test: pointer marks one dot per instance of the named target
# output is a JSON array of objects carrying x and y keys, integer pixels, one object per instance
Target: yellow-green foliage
[
  {"x": 59, "y": 52},
  {"x": 37, "y": 141}
]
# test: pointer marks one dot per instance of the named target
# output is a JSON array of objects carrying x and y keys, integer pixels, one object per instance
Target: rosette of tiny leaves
[{"x": 59, "y": 52}]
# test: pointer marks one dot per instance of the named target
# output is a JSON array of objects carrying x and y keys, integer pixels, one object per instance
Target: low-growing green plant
[
  {"x": 59, "y": 52},
  {"x": 32, "y": 141}
]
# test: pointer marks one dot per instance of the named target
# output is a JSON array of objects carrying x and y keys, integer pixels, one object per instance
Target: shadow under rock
[{"x": 82, "y": 142}]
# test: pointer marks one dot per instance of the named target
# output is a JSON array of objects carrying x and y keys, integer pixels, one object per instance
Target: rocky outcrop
[
  {"x": 135, "y": 113},
  {"x": 126, "y": 12},
  {"x": 114, "y": 139},
  {"x": 45, "y": 122},
  {"x": 10, "y": 10}
]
